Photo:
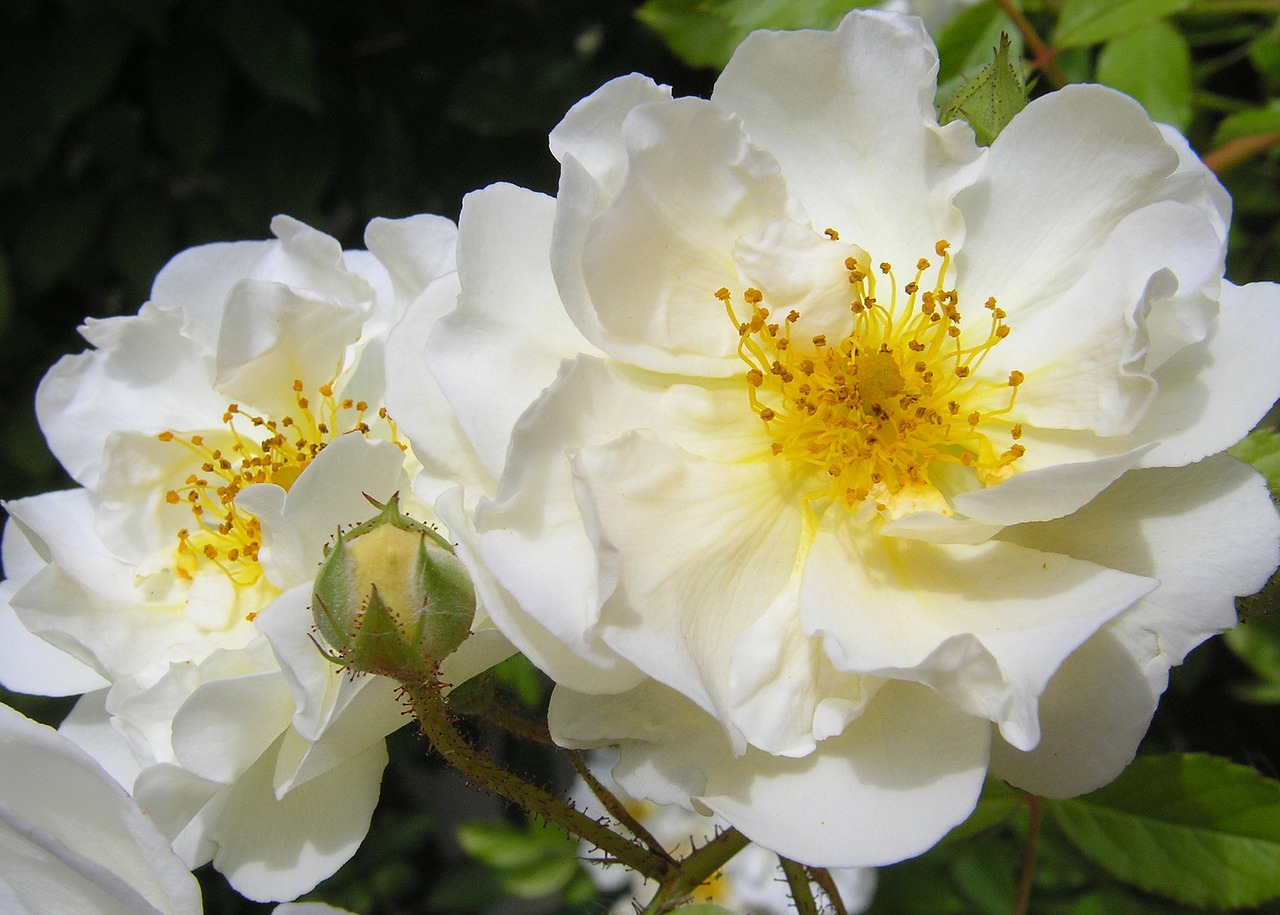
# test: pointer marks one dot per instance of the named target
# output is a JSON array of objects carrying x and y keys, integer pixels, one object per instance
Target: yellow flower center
[
  {"x": 255, "y": 449},
  {"x": 873, "y": 411}
]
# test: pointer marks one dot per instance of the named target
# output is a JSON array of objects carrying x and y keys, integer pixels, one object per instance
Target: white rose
[
  {"x": 819, "y": 570},
  {"x": 221, "y": 437}
]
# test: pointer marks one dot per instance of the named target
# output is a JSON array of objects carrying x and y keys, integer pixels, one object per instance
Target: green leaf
[
  {"x": 990, "y": 100},
  {"x": 1194, "y": 828},
  {"x": 748, "y": 15},
  {"x": 539, "y": 878},
  {"x": 703, "y": 908},
  {"x": 704, "y": 33},
  {"x": 499, "y": 845},
  {"x": 1257, "y": 643},
  {"x": 526, "y": 682},
  {"x": 695, "y": 34},
  {"x": 986, "y": 873},
  {"x": 996, "y": 803},
  {"x": 1153, "y": 64},
  {"x": 504, "y": 846},
  {"x": 1248, "y": 123},
  {"x": 1088, "y": 22},
  {"x": 1264, "y": 54},
  {"x": 1261, "y": 450},
  {"x": 273, "y": 50}
]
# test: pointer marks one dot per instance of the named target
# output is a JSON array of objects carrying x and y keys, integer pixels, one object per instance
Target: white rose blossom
[
  {"x": 870, "y": 461},
  {"x": 221, "y": 437}
]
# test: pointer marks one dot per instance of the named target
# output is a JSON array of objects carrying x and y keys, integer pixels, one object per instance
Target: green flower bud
[{"x": 391, "y": 598}]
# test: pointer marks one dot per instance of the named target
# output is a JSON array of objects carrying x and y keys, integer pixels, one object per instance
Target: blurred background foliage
[{"x": 132, "y": 129}]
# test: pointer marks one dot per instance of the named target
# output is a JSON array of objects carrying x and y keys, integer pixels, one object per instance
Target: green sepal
[
  {"x": 990, "y": 100},
  {"x": 331, "y": 603},
  {"x": 380, "y": 645},
  {"x": 445, "y": 619}
]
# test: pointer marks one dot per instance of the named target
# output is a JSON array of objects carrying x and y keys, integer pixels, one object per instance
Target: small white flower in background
[
  {"x": 221, "y": 437},
  {"x": 877, "y": 460},
  {"x": 752, "y": 883}
]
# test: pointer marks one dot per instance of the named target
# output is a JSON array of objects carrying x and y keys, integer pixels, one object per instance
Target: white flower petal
[
  {"x": 591, "y": 132},
  {"x": 274, "y": 334},
  {"x": 72, "y": 839},
  {"x": 1096, "y": 376},
  {"x": 858, "y": 140},
  {"x": 1193, "y": 183},
  {"x": 712, "y": 546},
  {"x": 1207, "y": 532},
  {"x": 530, "y": 637},
  {"x": 196, "y": 282},
  {"x": 1092, "y": 716},
  {"x": 85, "y": 601},
  {"x": 669, "y": 745},
  {"x": 29, "y": 664},
  {"x": 504, "y": 343},
  {"x": 877, "y": 793},
  {"x": 91, "y": 728},
  {"x": 84, "y": 398},
  {"x": 307, "y": 258},
  {"x": 273, "y": 849},
  {"x": 337, "y": 715},
  {"x": 418, "y": 405},
  {"x": 639, "y": 272},
  {"x": 366, "y": 710},
  {"x": 227, "y": 724},
  {"x": 932, "y": 527},
  {"x": 1049, "y": 492},
  {"x": 182, "y": 805},
  {"x": 1060, "y": 177},
  {"x": 985, "y": 625},
  {"x": 415, "y": 251},
  {"x": 1213, "y": 392},
  {"x": 784, "y": 691}
]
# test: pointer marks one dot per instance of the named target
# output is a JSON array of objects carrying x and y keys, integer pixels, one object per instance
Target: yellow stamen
[
  {"x": 224, "y": 535},
  {"x": 896, "y": 395}
]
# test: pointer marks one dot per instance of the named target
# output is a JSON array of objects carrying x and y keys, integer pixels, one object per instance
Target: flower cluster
[{"x": 826, "y": 460}]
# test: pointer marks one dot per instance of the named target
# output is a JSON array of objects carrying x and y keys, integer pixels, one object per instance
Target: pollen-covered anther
[
  {"x": 225, "y": 536},
  {"x": 897, "y": 393}
]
